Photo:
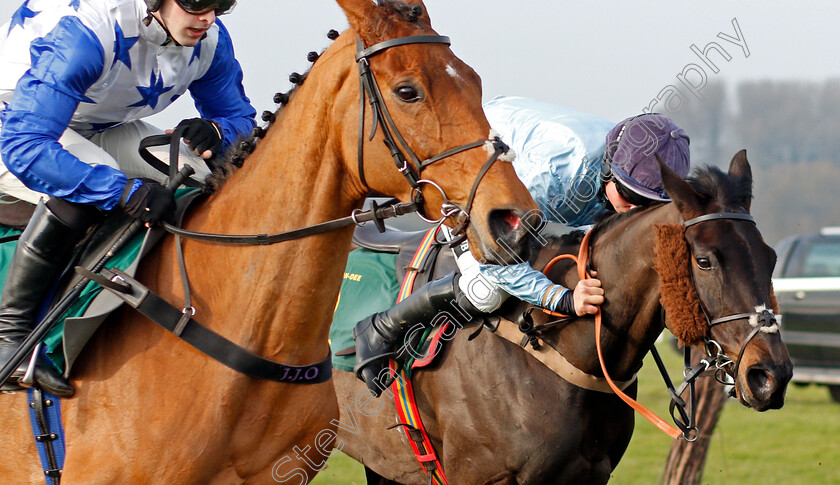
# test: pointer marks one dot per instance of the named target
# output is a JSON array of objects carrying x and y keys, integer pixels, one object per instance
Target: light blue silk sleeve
[{"x": 526, "y": 283}]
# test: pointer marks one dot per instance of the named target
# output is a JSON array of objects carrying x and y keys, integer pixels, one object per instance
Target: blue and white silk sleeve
[
  {"x": 65, "y": 63},
  {"x": 219, "y": 94},
  {"x": 526, "y": 283}
]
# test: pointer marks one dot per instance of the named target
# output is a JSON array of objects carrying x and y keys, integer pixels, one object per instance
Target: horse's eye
[
  {"x": 408, "y": 93},
  {"x": 704, "y": 263}
]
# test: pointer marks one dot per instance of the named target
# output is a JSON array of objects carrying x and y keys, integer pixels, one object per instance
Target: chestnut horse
[
  {"x": 151, "y": 409},
  {"x": 496, "y": 415}
]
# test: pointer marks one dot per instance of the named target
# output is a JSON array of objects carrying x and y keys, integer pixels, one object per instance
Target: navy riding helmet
[{"x": 197, "y": 6}]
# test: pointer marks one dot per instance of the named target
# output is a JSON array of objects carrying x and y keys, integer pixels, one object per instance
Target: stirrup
[{"x": 28, "y": 379}]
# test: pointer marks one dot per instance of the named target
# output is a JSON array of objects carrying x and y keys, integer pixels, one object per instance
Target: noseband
[
  {"x": 764, "y": 320},
  {"x": 399, "y": 147}
]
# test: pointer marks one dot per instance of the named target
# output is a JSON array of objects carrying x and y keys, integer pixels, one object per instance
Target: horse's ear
[
  {"x": 357, "y": 11},
  {"x": 739, "y": 167},
  {"x": 683, "y": 194}
]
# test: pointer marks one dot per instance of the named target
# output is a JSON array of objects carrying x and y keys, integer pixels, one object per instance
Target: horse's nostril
[
  {"x": 512, "y": 220},
  {"x": 509, "y": 233},
  {"x": 503, "y": 223},
  {"x": 759, "y": 381}
]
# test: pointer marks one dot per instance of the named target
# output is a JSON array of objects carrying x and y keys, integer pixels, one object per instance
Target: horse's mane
[
  {"x": 610, "y": 219},
  {"x": 240, "y": 150}
]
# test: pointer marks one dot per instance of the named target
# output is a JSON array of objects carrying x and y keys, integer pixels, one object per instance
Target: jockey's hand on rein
[
  {"x": 588, "y": 296},
  {"x": 204, "y": 137},
  {"x": 150, "y": 202}
]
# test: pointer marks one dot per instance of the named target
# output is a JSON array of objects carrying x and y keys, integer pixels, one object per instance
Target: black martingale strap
[{"x": 210, "y": 343}]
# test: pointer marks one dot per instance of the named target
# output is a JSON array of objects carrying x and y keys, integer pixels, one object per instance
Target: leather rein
[{"x": 687, "y": 429}]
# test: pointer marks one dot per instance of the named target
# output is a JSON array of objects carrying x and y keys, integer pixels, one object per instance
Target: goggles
[
  {"x": 630, "y": 196},
  {"x": 626, "y": 193},
  {"x": 197, "y": 7}
]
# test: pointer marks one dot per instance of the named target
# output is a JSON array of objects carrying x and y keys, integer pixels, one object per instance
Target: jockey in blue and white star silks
[
  {"x": 76, "y": 79},
  {"x": 90, "y": 65}
]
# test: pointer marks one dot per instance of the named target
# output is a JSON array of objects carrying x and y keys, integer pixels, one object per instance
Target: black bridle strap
[
  {"x": 499, "y": 149},
  {"x": 369, "y": 87},
  {"x": 393, "y": 138},
  {"x": 412, "y": 39},
  {"x": 719, "y": 216},
  {"x": 737, "y": 316},
  {"x": 452, "y": 151}
]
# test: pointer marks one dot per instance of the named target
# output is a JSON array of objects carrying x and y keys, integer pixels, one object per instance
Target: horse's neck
[
  {"x": 279, "y": 298},
  {"x": 623, "y": 257}
]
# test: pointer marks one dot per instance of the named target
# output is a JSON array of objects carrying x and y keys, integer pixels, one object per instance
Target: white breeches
[{"x": 117, "y": 148}]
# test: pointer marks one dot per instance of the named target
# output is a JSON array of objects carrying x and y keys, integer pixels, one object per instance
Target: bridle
[
  {"x": 715, "y": 357},
  {"x": 411, "y": 166},
  {"x": 764, "y": 320},
  {"x": 393, "y": 140}
]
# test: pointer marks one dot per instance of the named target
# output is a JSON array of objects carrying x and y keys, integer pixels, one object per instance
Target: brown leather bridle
[{"x": 411, "y": 166}]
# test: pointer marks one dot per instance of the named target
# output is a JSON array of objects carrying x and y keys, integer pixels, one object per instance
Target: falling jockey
[
  {"x": 76, "y": 77},
  {"x": 575, "y": 175}
]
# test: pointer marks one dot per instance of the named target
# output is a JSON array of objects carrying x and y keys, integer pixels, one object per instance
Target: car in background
[{"x": 807, "y": 286}]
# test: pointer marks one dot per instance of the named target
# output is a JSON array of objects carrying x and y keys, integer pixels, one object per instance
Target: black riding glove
[
  {"x": 202, "y": 135},
  {"x": 151, "y": 202}
]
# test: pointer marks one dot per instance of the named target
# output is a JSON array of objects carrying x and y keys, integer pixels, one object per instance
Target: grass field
[{"x": 799, "y": 444}]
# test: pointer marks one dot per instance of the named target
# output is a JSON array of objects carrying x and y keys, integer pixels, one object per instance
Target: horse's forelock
[
  {"x": 409, "y": 13},
  {"x": 714, "y": 185}
]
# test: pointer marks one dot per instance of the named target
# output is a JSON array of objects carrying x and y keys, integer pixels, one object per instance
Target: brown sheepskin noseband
[{"x": 677, "y": 294}]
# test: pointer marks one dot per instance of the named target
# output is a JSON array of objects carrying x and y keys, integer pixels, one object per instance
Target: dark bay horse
[
  {"x": 497, "y": 415},
  {"x": 151, "y": 409}
]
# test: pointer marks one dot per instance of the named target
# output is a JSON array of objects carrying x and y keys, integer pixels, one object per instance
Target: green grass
[{"x": 797, "y": 444}]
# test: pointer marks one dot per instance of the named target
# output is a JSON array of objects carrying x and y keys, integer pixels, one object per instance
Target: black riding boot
[
  {"x": 41, "y": 254},
  {"x": 378, "y": 335}
]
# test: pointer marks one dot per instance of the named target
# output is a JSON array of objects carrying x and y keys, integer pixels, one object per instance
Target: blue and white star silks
[
  {"x": 196, "y": 52},
  {"x": 99, "y": 65},
  {"x": 122, "y": 46},
  {"x": 152, "y": 93},
  {"x": 20, "y": 16}
]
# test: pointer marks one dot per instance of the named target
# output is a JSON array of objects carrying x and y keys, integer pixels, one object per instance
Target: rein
[{"x": 583, "y": 258}]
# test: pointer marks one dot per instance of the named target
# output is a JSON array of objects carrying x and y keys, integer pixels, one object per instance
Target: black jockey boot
[
  {"x": 378, "y": 335},
  {"x": 41, "y": 254}
]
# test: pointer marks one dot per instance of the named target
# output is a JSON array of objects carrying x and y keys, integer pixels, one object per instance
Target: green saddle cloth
[
  {"x": 369, "y": 286},
  {"x": 55, "y": 339}
]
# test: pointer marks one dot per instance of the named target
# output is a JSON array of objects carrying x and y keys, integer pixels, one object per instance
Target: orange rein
[{"x": 581, "y": 261}]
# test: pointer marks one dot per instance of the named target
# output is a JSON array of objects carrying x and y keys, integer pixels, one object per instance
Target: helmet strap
[{"x": 169, "y": 38}]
